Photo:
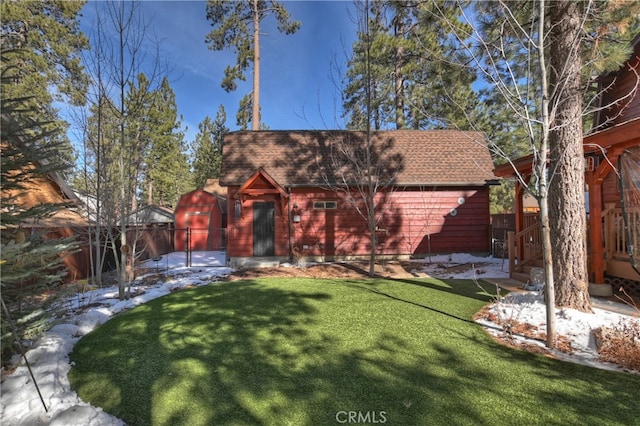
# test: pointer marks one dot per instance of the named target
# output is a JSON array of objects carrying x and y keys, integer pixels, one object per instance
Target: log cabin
[
  {"x": 301, "y": 195},
  {"x": 66, "y": 222},
  {"x": 616, "y": 130}
]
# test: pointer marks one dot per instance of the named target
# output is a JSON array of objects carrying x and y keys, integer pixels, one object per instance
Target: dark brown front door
[{"x": 264, "y": 229}]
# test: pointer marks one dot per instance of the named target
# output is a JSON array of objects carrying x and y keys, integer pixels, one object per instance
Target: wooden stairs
[
  {"x": 523, "y": 273},
  {"x": 525, "y": 252},
  {"x": 525, "y": 247}
]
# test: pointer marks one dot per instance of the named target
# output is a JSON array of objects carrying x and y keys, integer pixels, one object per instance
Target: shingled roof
[{"x": 411, "y": 157}]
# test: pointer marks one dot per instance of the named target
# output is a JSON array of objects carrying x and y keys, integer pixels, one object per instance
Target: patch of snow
[
  {"x": 20, "y": 403},
  {"x": 464, "y": 266},
  {"x": 529, "y": 308}
]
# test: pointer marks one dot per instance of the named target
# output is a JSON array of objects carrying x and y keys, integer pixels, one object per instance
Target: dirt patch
[
  {"x": 449, "y": 270},
  {"x": 327, "y": 270}
]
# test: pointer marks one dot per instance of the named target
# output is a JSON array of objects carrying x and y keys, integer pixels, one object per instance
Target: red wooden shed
[
  {"x": 288, "y": 198},
  {"x": 200, "y": 219}
]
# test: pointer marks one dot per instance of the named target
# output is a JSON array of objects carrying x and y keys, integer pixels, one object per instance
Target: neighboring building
[
  {"x": 201, "y": 219},
  {"x": 66, "y": 222},
  {"x": 151, "y": 215},
  {"x": 287, "y": 197},
  {"x": 530, "y": 204},
  {"x": 616, "y": 131},
  {"x": 150, "y": 231}
]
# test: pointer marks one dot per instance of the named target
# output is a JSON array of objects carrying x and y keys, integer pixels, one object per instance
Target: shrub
[{"x": 620, "y": 344}]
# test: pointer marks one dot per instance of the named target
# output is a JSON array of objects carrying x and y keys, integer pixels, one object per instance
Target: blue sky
[{"x": 297, "y": 88}]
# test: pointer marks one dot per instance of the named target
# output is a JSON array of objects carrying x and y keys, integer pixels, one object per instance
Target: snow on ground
[
  {"x": 20, "y": 403},
  {"x": 465, "y": 266},
  {"x": 49, "y": 357},
  {"x": 528, "y": 307}
]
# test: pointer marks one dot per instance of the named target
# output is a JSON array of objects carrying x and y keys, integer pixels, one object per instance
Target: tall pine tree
[
  {"x": 369, "y": 73},
  {"x": 417, "y": 81},
  {"x": 29, "y": 262},
  {"x": 167, "y": 173},
  {"x": 207, "y": 148},
  {"x": 42, "y": 44},
  {"x": 531, "y": 56},
  {"x": 236, "y": 26}
]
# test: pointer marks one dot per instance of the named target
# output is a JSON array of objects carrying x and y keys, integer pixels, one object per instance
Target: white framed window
[{"x": 325, "y": 205}]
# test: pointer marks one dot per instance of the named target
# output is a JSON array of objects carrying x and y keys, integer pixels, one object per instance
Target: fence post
[
  {"x": 187, "y": 250},
  {"x": 511, "y": 245}
]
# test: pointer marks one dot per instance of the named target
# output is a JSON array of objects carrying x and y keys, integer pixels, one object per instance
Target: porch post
[
  {"x": 595, "y": 228},
  {"x": 511, "y": 244},
  {"x": 519, "y": 213}
]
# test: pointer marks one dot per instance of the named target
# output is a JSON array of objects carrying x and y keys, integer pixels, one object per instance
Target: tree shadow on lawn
[
  {"x": 564, "y": 392},
  {"x": 375, "y": 290},
  {"x": 459, "y": 287},
  {"x": 308, "y": 353},
  {"x": 589, "y": 390}
]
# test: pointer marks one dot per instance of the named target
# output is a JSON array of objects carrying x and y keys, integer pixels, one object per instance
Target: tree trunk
[
  {"x": 371, "y": 216},
  {"x": 543, "y": 185},
  {"x": 547, "y": 261},
  {"x": 399, "y": 83},
  {"x": 97, "y": 263},
  {"x": 150, "y": 192},
  {"x": 566, "y": 191},
  {"x": 255, "y": 119}
]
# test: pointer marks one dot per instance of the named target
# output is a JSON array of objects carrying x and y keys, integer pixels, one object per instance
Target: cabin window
[{"x": 325, "y": 205}]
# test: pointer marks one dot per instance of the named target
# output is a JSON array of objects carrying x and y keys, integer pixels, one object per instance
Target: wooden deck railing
[
  {"x": 615, "y": 236},
  {"x": 524, "y": 246}
]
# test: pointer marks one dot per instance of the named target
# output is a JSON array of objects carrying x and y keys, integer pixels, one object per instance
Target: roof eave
[{"x": 401, "y": 184}]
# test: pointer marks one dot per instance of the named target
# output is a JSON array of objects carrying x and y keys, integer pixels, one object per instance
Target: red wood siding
[
  {"x": 408, "y": 218},
  {"x": 151, "y": 241},
  {"x": 412, "y": 222},
  {"x": 77, "y": 263},
  {"x": 199, "y": 211},
  {"x": 240, "y": 228}
]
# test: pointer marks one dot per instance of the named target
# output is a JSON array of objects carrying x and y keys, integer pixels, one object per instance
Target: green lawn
[{"x": 310, "y": 351}]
